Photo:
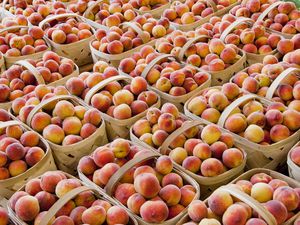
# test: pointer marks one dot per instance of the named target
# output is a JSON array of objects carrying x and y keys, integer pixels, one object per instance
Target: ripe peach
[
  {"x": 87, "y": 165},
  {"x": 75, "y": 86},
  {"x": 288, "y": 196},
  {"x": 262, "y": 192},
  {"x": 279, "y": 132},
  {"x": 211, "y": 167},
  {"x": 135, "y": 202},
  {"x": 197, "y": 210},
  {"x": 27, "y": 208},
  {"x": 210, "y": 134},
  {"x": 123, "y": 192},
  {"x": 172, "y": 178},
  {"x": 254, "y": 133},
  {"x": 164, "y": 165},
  {"x": 15, "y": 151},
  {"x": 219, "y": 201},
  {"x": 92, "y": 116},
  {"x": 278, "y": 210},
  {"x": 94, "y": 215},
  {"x": 232, "y": 157},
  {"x": 147, "y": 185},
  {"x": 116, "y": 215},
  {"x": 34, "y": 155},
  {"x": 154, "y": 211},
  {"x": 54, "y": 133},
  {"x": 46, "y": 200},
  {"x": 291, "y": 119}
]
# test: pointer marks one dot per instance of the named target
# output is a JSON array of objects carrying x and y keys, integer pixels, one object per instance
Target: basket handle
[
  {"x": 109, "y": 188},
  {"x": 12, "y": 28},
  {"x": 102, "y": 84},
  {"x": 33, "y": 70},
  {"x": 136, "y": 29},
  {"x": 232, "y": 106},
  {"x": 278, "y": 80},
  {"x": 185, "y": 126},
  {"x": 91, "y": 7},
  {"x": 155, "y": 61},
  {"x": 9, "y": 123},
  {"x": 262, "y": 211},
  {"x": 46, "y": 102},
  {"x": 233, "y": 25},
  {"x": 58, "y": 16},
  {"x": 61, "y": 202},
  {"x": 188, "y": 44},
  {"x": 267, "y": 10}
]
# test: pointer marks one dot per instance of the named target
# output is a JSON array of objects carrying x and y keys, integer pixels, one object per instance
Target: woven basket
[
  {"x": 109, "y": 188},
  {"x": 192, "y": 26},
  {"x": 156, "y": 13},
  {"x": 258, "y": 156},
  {"x": 65, "y": 199},
  {"x": 9, "y": 61},
  {"x": 79, "y": 51},
  {"x": 115, "y": 59},
  {"x": 251, "y": 57},
  {"x": 294, "y": 170},
  {"x": 265, "y": 13},
  {"x": 115, "y": 127},
  {"x": 67, "y": 157},
  {"x": 10, "y": 185},
  {"x": 2, "y": 63}
]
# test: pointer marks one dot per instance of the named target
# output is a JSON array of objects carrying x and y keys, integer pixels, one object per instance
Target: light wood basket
[
  {"x": 63, "y": 200},
  {"x": 67, "y": 157},
  {"x": 251, "y": 57},
  {"x": 114, "y": 180},
  {"x": 294, "y": 170},
  {"x": 2, "y": 63},
  {"x": 79, "y": 51},
  {"x": 115, "y": 59},
  {"x": 10, "y": 185},
  {"x": 115, "y": 127},
  {"x": 9, "y": 60},
  {"x": 178, "y": 101},
  {"x": 192, "y": 26},
  {"x": 258, "y": 156},
  {"x": 265, "y": 13}
]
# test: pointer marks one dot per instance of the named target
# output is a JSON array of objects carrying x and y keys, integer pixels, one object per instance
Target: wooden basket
[
  {"x": 115, "y": 127},
  {"x": 3, "y": 12},
  {"x": 9, "y": 60},
  {"x": 115, "y": 59},
  {"x": 219, "y": 77},
  {"x": 67, "y": 157},
  {"x": 110, "y": 187},
  {"x": 258, "y": 156},
  {"x": 265, "y": 13},
  {"x": 156, "y": 13},
  {"x": 65, "y": 199},
  {"x": 243, "y": 197},
  {"x": 276, "y": 175},
  {"x": 89, "y": 10},
  {"x": 10, "y": 185},
  {"x": 39, "y": 79},
  {"x": 192, "y": 26},
  {"x": 79, "y": 51},
  {"x": 294, "y": 170},
  {"x": 2, "y": 63},
  {"x": 251, "y": 57}
]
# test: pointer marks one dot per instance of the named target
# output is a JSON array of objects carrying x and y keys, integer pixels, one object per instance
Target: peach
[
  {"x": 291, "y": 119},
  {"x": 164, "y": 165},
  {"x": 4, "y": 216},
  {"x": 122, "y": 112},
  {"x": 46, "y": 200},
  {"x": 135, "y": 202},
  {"x": 172, "y": 178},
  {"x": 64, "y": 109},
  {"x": 66, "y": 185},
  {"x": 76, "y": 214},
  {"x": 216, "y": 46},
  {"x": 85, "y": 199},
  {"x": 217, "y": 149},
  {"x": 234, "y": 213},
  {"x": 218, "y": 101},
  {"x": 15, "y": 151},
  {"x": 40, "y": 121},
  {"x": 66, "y": 209},
  {"x": 154, "y": 211},
  {"x": 232, "y": 157},
  {"x": 276, "y": 183},
  {"x": 75, "y": 86},
  {"x": 33, "y": 186},
  {"x": 211, "y": 167},
  {"x": 94, "y": 215},
  {"x": 245, "y": 186},
  {"x": 54, "y": 133},
  {"x": 27, "y": 208},
  {"x": 120, "y": 148},
  {"x": 34, "y": 155},
  {"x": 257, "y": 118},
  {"x": 92, "y": 116},
  {"x": 87, "y": 130},
  {"x": 15, "y": 197},
  {"x": 254, "y": 133},
  {"x": 116, "y": 215},
  {"x": 170, "y": 194},
  {"x": 255, "y": 221},
  {"x": 103, "y": 156},
  {"x": 123, "y": 192},
  {"x": 3, "y": 159},
  {"x": 17, "y": 167},
  {"x": 262, "y": 192},
  {"x": 260, "y": 178},
  {"x": 211, "y": 221},
  {"x": 87, "y": 165},
  {"x": 71, "y": 139},
  {"x": 278, "y": 210},
  {"x": 192, "y": 163},
  {"x": 188, "y": 194},
  {"x": 202, "y": 151},
  {"x": 279, "y": 132},
  {"x": 4, "y": 173},
  {"x": 103, "y": 175},
  {"x": 197, "y": 210},
  {"x": 105, "y": 204},
  {"x": 178, "y": 155},
  {"x": 147, "y": 185},
  {"x": 288, "y": 196},
  {"x": 49, "y": 180},
  {"x": 219, "y": 201},
  {"x": 210, "y": 134}
]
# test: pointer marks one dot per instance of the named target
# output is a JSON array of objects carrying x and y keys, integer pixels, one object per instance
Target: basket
[
  {"x": 243, "y": 197},
  {"x": 294, "y": 170},
  {"x": 2, "y": 63},
  {"x": 3, "y": 12},
  {"x": 276, "y": 175},
  {"x": 178, "y": 101},
  {"x": 109, "y": 188},
  {"x": 192, "y": 26},
  {"x": 258, "y": 156},
  {"x": 9, "y": 60},
  {"x": 63, "y": 200},
  {"x": 115, "y": 59},
  {"x": 10, "y": 185},
  {"x": 67, "y": 157},
  {"x": 156, "y": 13},
  {"x": 265, "y": 13},
  {"x": 115, "y": 127},
  {"x": 219, "y": 77},
  {"x": 251, "y": 57},
  {"x": 79, "y": 51}
]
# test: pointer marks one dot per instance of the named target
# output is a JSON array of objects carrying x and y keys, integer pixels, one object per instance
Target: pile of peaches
[
  {"x": 207, "y": 152},
  {"x": 167, "y": 76},
  {"x": 147, "y": 5},
  {"x": 18, "y": 20},
  {"x": 275, "y": 195},
  {"x": 16, "y": 81},
  {"x": 258, "y": 77},
  {"x": 40, "y": 194},
  {"x": 19, "y": 149},
  {"x": 21, "y": 42},
  {"x": 67, "y": 31},
  {"x": 151, "y": 190},
  {"x": 35, "y": 11},
  {"x": 123, "y": 38},
  {"x": 190, "y": 11},
  {"x": 285, "y": 18}
]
